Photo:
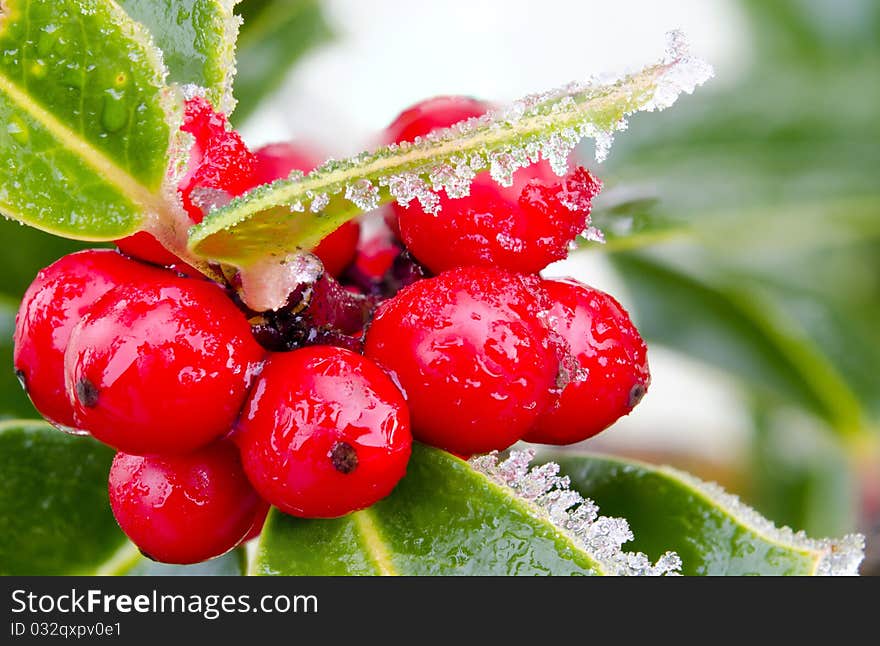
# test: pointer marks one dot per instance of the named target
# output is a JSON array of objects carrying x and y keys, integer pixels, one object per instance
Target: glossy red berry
[
  {"x": 144, "y": 246},
  {"x": 324, "y": 432},
  {"x": 54, "y": 303},
  {"x": 184, "y": 508},
  {"x": 520, "y": 228},
  {"x": 162, "y": 367},
  {"x": 609, "y": 350},
  {"x": 373, "y": 263},
  {"x": 471, "y": 354},
  {"x": 337, "y": 250}
]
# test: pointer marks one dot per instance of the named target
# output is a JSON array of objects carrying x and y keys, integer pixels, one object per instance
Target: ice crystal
[
  {"x": 593, "y": 234},
  {"x": 319, "y": 202},
  {"x": 407, "y": 187},
  {"x": 363, "y": 195},
  {"x": 834, "y": 557},
  {"x": 208, "y": 198},
  {"x": 269, "y": 282},
  {"x": 550, "y": 498}
]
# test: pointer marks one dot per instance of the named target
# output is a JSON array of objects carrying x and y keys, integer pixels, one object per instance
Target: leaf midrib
[{"x": 373, "y": 543}]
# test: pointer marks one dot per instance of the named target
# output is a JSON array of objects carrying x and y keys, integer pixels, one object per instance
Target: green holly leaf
[
  {"x": 449, "y": 517},
  {"x": 713, "y": 531},
  {"x": 55, "y": 513},
  {"x": 87, "y": 128},
  {"x": 197, "y": 39},
  {"x": 296, "y": 213}
]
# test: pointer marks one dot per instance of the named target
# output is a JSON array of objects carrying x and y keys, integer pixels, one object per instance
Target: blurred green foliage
[
  {"x": 753, "y": 245},
  {"x": 274, "y": 36}
]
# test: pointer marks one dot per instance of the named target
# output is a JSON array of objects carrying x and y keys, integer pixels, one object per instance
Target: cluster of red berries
[{"x": 439, "y": 329}]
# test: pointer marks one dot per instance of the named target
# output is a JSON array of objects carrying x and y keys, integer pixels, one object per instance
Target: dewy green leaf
[
  {"x": 55, "y": 513},
  {"x": 263, "y": 228},
  {"x": 197, "y": 39},
  {"x": 712, "y": 531},
  {"x": 451, "y": 517},
  {"x": 85, "y": 114}
]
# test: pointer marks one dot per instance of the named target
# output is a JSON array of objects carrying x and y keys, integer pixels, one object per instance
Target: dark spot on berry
[
  {"x": 22, "y": 379},
  {"x": 87, "y": 393},
  {"x": 147, "y": 556},
  {"x": 636, "y": 393},
  {"x": 344, "y": 457}
]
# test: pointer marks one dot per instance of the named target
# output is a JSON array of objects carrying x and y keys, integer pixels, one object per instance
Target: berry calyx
[
  {"x": 161, "y": 367},
  {"x": 521, "y": 228},
  {"x": 611, "y": 357},
  {"x": 337, "y": 250},
  {"x": 184, "y": 508},
  {"x": 58, "y": 298},
  {"x": 471, "y": 354},
  {"x": 324, "y": 432}
]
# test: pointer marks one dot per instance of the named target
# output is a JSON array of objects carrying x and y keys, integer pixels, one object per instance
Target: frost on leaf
[
  {"x": 833, "y": 557},
  {"x": 549, "y": 496},
  {"x": 295, "y": 213}
]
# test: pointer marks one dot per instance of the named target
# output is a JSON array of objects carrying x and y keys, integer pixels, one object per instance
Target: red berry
[
  {"x": 278, "y": 160},
  {"x": 144, "y": 246},
  {"x": 275, "y": 161},
  {"x": 432, "y": 114},
  {"x": 520, "y": 228},
  {"x": 184, "y": 508},
  {"x": 220, "y": 164},
  {"x": 419, "y": 120},
  {"x": 324, "y": 432},
  {"x": 162, "y": 367},
  {"x": 609, "y": 348},
  {"x": 375, "y": 258},
  {"x": 470, "y": 353},
  {"x": 54, "y": 303}
]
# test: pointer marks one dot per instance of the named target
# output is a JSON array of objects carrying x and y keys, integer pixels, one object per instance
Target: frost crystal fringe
[
  {"x": 836, "y": 557},
  {"x": 550, "y": 496}
]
